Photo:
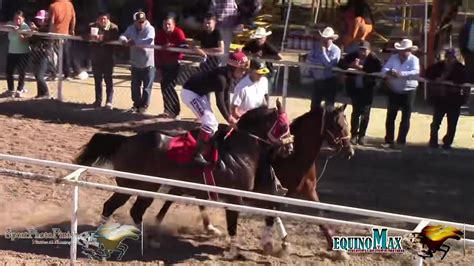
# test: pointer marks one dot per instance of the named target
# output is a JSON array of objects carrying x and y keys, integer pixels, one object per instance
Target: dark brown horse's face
[
  {"x": 279, "y": 133},
  {"x": 336, "y": 131}
]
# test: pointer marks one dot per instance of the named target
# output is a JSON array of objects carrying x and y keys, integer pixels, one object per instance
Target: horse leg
[
  {"x": 311, "y": 194},
  {"x": 267, "y": 236},
  {"x": 232, "y": 218},
  {"x": 162, "y": 213},
  {"x": 139, "y": 208},
  {"x": 112, "y": 204},
  {"x": 206, "y": 222}
]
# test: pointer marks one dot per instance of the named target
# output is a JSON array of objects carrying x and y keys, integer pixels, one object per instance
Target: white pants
[{"x": 201, "y": 107}]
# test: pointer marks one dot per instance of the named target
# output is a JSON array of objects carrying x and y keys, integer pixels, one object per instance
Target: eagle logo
[{"x": 106, "y": 240}]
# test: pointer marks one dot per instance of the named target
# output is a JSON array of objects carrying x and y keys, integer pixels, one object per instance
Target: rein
[{"x": 286, "y": 140}]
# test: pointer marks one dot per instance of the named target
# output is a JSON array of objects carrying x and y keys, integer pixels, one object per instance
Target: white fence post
[{"x": 75, "y": 205}]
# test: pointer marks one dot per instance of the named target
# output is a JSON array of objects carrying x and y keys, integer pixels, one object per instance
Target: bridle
[
  {"x": 337, "y": 140},
  {"x": 285, "y": 139}
]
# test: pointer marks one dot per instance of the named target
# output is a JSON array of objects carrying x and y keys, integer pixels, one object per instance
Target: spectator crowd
[{"x": 239, "y": 83}]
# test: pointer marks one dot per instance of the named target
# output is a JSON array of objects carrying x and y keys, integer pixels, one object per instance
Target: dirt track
[{"x": 408, "y": 181}]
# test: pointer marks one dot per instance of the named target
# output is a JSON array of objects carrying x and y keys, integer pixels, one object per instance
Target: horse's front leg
[
  {"x": 207, "y": 224},
  {"x": 112, "y": 204},
  {"x": 232, "y": 219},
  {"x": 309, "y": 188},
  {"x": 267, "y": 236}
]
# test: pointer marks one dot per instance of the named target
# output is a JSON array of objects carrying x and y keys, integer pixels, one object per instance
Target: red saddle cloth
[{"x": 181, "y": 150}]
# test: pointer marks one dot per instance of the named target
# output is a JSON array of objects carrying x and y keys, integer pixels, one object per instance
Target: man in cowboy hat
[
  {"x": 258, "y": 46},
  {"x": 401, "y": 71},
  {"x": 326, "y": 55}
]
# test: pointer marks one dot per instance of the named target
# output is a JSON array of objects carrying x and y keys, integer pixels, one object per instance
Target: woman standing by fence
[{"x": 18, "y": 55}]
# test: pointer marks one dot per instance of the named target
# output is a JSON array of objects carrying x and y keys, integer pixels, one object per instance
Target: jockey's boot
[{"x": 202, "y": 146}]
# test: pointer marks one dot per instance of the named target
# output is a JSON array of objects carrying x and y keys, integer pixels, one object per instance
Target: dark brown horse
[
  {"x": 297, "y": 172},
  {"x": 146, "y": 153}
]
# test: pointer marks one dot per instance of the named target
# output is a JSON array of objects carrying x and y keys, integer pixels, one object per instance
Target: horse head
[
  {"x": 270, "y": 124},
  {"x": 336, "y": 130}
]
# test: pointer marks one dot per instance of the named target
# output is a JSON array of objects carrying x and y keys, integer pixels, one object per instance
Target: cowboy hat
[
  {"x": 260, "y": 33},
  {"x": 328, "y": 33},
  {"x": 405, "y": 44}
]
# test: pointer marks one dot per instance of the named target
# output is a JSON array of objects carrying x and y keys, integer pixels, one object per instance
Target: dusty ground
[{"x": 410, "y": 181}]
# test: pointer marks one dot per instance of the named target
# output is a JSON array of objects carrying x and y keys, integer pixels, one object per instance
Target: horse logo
[
  {"x": 107, "y": 239},
  {"x": 430, "y": 240}
]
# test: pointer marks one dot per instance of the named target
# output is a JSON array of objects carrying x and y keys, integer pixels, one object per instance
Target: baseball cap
[
  {"x": 238, "y": 59},
  {"x": 364, "y": 44},
  {"x": 259, "y": 66},
  {"x": 42, "y": 14},
  {"x": 140, "y": 15}
]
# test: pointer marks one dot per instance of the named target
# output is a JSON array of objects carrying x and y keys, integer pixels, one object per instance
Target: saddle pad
[{"x": 181, "y": 148}]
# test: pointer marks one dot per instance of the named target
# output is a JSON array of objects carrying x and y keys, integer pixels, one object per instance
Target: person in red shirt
[{"x": 167, "y": 62}]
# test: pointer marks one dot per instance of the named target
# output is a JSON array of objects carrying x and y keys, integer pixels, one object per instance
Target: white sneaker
[
  {"x": 109, "y": 106},
  {"x": 17, "y": 94},
  {"x": 83, "y": 75}
]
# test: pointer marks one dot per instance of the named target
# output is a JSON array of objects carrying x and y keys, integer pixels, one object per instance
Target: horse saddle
[{"x": 180, "y": 146}]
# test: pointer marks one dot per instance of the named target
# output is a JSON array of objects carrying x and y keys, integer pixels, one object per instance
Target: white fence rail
[{"x": 73, "y": 179}]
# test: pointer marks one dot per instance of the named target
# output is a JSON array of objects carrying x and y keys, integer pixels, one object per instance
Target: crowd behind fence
[{"x": 192, "y": 62}]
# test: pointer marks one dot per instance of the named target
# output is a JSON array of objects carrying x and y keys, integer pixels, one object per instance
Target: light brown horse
[{"x": 297, "y": 172}]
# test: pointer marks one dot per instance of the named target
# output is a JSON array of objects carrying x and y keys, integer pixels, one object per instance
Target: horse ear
[{"x": 278, "y": 104}]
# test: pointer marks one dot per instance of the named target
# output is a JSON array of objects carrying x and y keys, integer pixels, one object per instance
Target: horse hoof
[
  {"x": 267, "y": 248},
  {"x": 103, "y": 220},
  {"x": 285, "y": 250},
  {"x": 343, "y": 255},
  {"x": 213, "y": 231}
]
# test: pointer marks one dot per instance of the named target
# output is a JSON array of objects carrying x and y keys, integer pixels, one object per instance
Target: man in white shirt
[
  {"x": 401, "y": 71},
  {"x": 252, "y": 91}
]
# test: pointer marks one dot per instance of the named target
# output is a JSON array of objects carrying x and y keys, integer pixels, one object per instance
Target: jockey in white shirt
[{"x": 252, "y": 92}]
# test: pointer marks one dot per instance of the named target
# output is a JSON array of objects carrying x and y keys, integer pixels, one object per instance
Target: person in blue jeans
[
  {"x": 142, "y": 60},
  {"x": 41, "y": 49}
]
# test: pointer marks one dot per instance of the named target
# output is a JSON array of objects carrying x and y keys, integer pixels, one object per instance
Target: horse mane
[
  {"x": 252, "y": 117},
  {"x": 297, "y": 122}
]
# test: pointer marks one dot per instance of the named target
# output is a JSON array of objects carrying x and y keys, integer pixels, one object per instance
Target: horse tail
[{"x": 100, "y": 149}]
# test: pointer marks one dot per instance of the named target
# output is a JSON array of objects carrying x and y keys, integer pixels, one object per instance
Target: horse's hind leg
[
  {"x": 162, "y": 213},
  {"x": 112, "y": 204},
  {"x": 139, "y": 208},
  {"x": 206, "y": 222}
]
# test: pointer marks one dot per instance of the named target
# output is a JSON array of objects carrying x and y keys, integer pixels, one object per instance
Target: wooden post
[{"x": 434, "y": 21}]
